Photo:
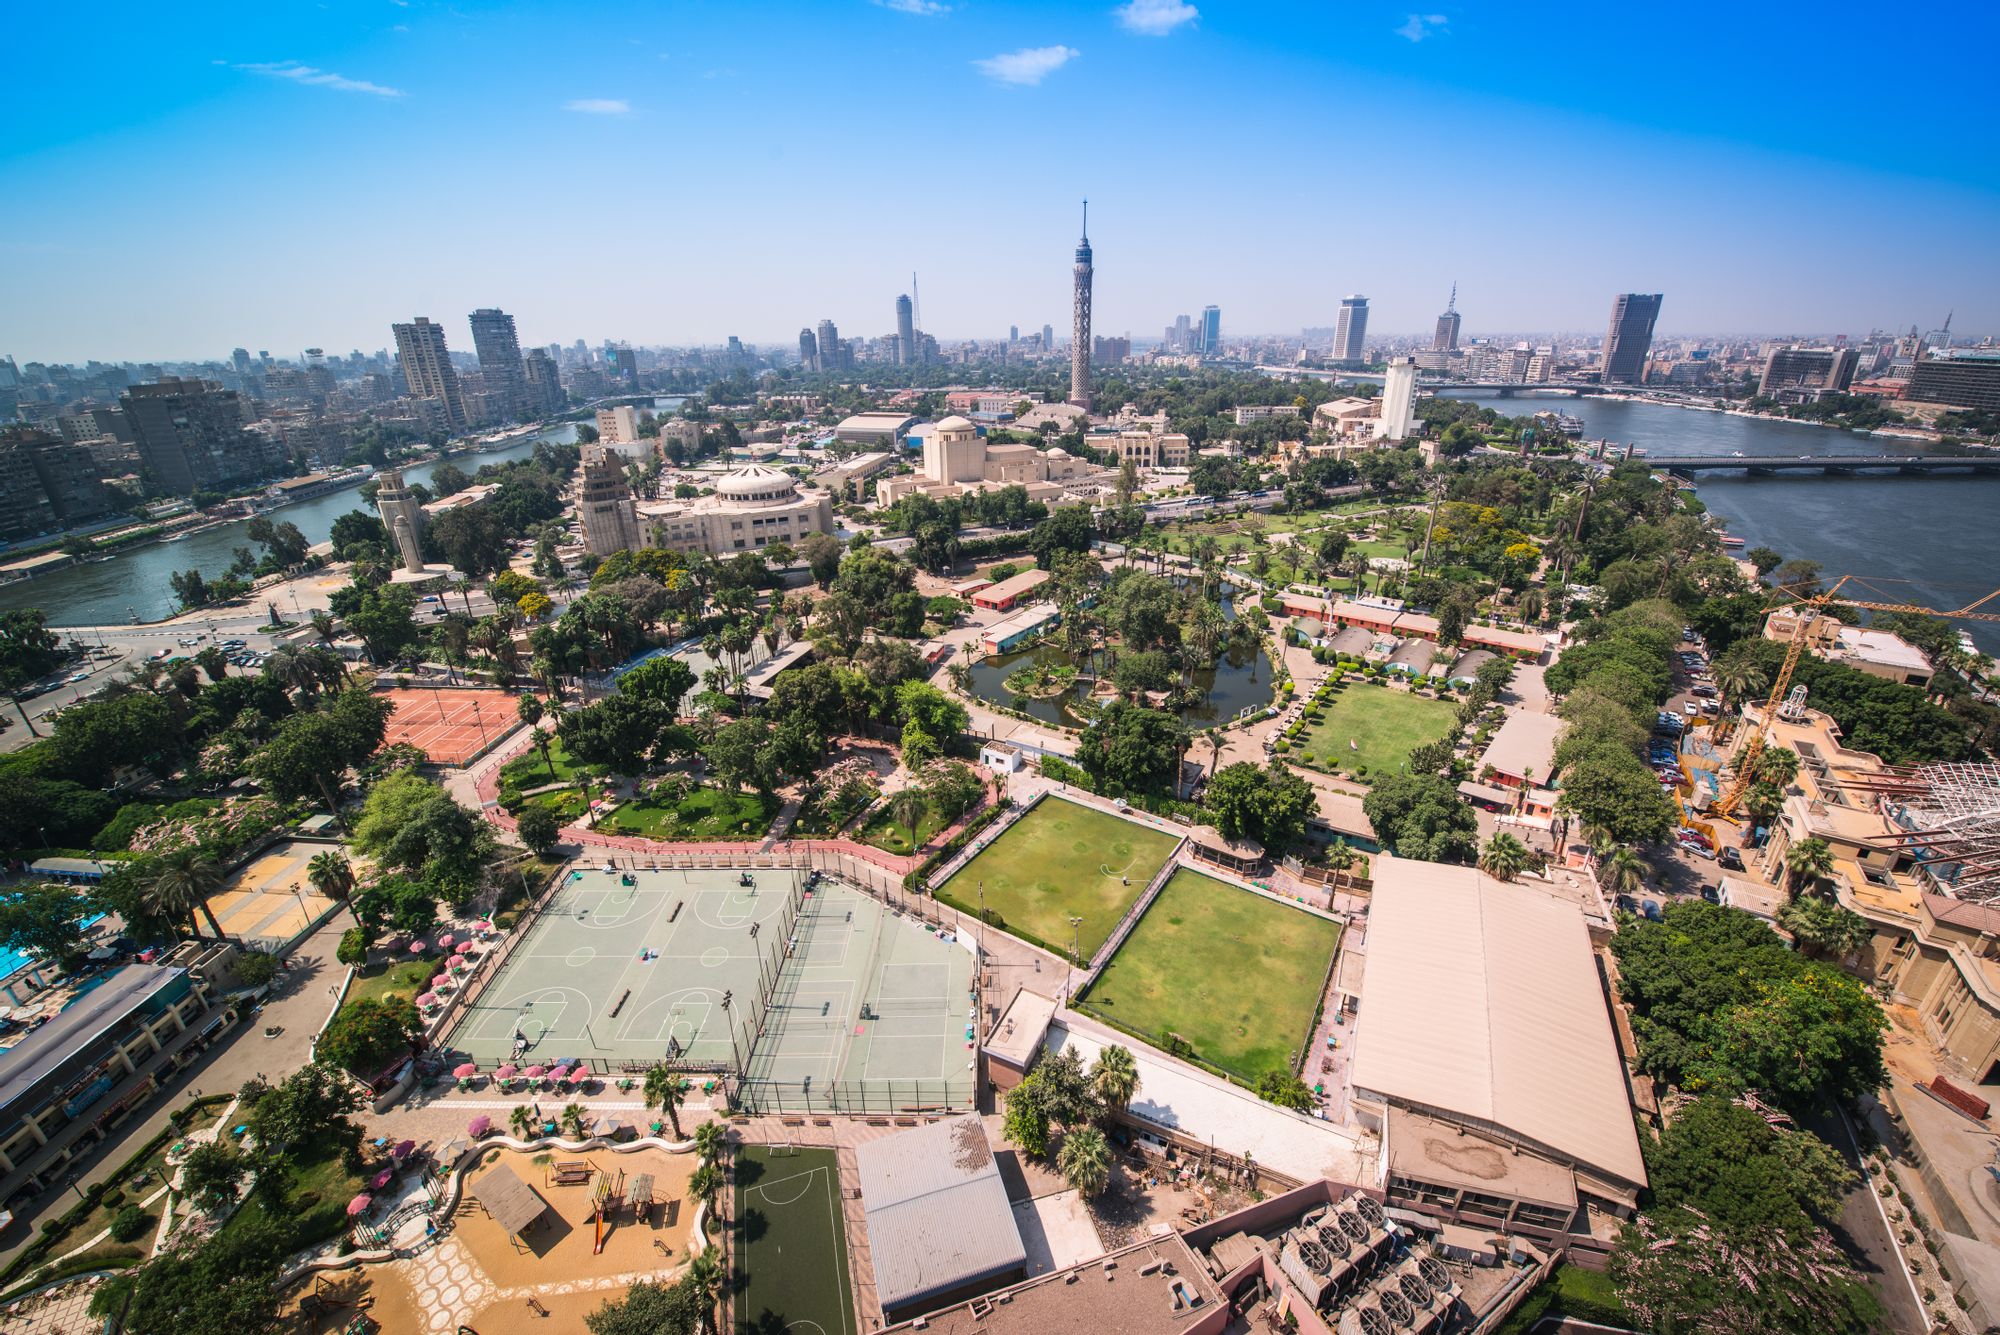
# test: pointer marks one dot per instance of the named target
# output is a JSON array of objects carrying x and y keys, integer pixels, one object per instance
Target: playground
[
  {"x": 1234, "y": 973},
  {"x": 270, "y": 901},
  {"x": 631, "y": 968},
  {"x": 1062, "y": 859},
  {"x": 449, "y": 726},
  {"x": 791, "y": 1252}
]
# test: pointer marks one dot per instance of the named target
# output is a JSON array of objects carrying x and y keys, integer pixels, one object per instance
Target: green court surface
[
  {"x": 1382, "y": 724},
  {"x": 791, "y": 1245},
  {"x": 1058, "y": 860},
  {"x": 1236, "y": 974}
]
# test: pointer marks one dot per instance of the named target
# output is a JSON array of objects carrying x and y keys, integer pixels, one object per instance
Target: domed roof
[
  {"x": 956, "y": 423},
  {"x": 755, "y": 481},
  {"x": 1058, "y": 452}
]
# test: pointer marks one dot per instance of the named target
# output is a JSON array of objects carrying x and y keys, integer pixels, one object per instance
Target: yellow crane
[{"x": 1746, "y": 760}]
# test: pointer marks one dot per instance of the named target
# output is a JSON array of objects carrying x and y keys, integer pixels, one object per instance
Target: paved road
[
  {"x": 1864, "y": 1235},
  {"x": 298, "y": 1009}
]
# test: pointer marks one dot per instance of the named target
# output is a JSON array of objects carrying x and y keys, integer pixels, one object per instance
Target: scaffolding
[{"x": 1948, "y": 817}]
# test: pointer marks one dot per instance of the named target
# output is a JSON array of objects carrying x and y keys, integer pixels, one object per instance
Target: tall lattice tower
[{"x": 1079, "y": 350}]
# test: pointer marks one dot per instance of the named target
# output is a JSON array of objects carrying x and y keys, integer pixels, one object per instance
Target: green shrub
[
  {"x": 130, "y": 1223},
  {"x": 112, "y": 1199},
  {"x": 353, "y": 947}
]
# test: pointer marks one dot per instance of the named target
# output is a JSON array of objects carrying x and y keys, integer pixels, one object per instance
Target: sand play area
[{"x": 547, "y": 1279}]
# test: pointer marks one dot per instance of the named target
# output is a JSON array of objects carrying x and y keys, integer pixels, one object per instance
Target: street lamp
[{"x": 729, "y": 1017}]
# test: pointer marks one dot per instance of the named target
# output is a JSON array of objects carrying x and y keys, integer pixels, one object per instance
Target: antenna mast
[{"x": 916, "y": 302}]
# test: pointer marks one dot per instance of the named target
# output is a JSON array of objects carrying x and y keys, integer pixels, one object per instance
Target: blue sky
[{"x": 177, "y": 180}]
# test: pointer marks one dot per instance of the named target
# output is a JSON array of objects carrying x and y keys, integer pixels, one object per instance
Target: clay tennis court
[{"x": 449, "y": 726}]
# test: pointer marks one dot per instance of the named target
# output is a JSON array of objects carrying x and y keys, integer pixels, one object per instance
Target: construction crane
[{"x": 1809, "y": 608}]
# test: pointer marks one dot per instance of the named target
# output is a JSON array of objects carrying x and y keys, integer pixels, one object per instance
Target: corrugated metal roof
[{"x": 938, "y": 1215}]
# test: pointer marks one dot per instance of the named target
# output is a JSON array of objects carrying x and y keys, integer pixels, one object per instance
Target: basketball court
[{"x": 449, "y": 726}]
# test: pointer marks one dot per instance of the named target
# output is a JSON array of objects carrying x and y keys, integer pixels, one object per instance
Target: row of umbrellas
[
  {"x": 567, "y": 1072},
  {"x": 359, "y": 1205}
]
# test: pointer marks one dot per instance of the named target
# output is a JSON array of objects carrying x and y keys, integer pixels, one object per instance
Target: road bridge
[{"x": 1836, "y": 465}]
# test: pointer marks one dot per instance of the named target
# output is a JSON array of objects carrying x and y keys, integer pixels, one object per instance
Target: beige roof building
[
  {"x": 752, "y": 508},
  {"x": 1523, "y": 751},
  {"x": 1484, "y": 1054}
]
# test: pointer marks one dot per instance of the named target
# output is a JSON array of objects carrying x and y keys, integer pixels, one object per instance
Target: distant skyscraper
[
  {"x": 1446, "y": 338},
  {"x": 190, "y": 436},
  {"x": 1211, "y": 331},
  {"x": 240, "y": 359},
  {"x": 621, "y": 364},
  {"x": 829, "y": 346},
  {"x": 545, "y": 391},
  {"x": 1079, "y": 348},
  {"x": 1048, "y": 338},
  {"x": 808, "y": 351},
  {"x": 906, "y": 331},
  {"x": 427, "y": 366},
  {"x": 1350, "y": 331},
  {"x": 499, "y": 349},
  {"x": 1630, "y": 337}
]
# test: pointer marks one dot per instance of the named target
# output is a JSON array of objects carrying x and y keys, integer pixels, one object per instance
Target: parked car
[
  {"x": 1651, "y": 909},
  {"x": 1730, "y": 859},
  {"x": 1703, "y": 690},
  {"x": 1711, "y": 894}
]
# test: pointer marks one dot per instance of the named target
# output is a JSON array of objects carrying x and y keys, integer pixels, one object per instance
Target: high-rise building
[
  {"x": 499, "y": 349},
  {"x": 1048, "y": 338},
  {"x": 544, "y": 381},
  {"x": 1805, "y": 372},
  {"x": 1446, "y": 337},
  {"x": 906, "y": 330},
  {"x": 604, "y": 504},
  {"x": 1211, "y": 331},
  {"x": 808, "y": 351},
  {"x": 1963, "y": 380},
  {"x": 621, "y": 367},
  {"x": 403, "y": 515},
  {"x": 1109, "y": 351},
  {"x": 1350, "y": 330},
  {"x": 191, "y": 438},
  {"x": 427, "y": 366},
  {"x": 240, "y": 359},
  {"x": 829, "y": 346},
  {"x": 1399, "y": 398},
  {"x": 1630, "y": 336},
  {"x": 1079, "y": 347}
]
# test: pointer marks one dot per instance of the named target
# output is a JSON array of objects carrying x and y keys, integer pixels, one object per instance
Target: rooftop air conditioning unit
[
  {"x": 1413, "y": 1287},
  {"x": 1438, "y": 1276},
  {"x": 1333, "y": 1239},
  {"x": 1370, "y": 1208},
  {"x": 1352, "y": 1224},
  {"x": 1315, "y": 1255},
  {"x": 1396, "y": 1307},
  {"x": 1372, "y": 1322}
]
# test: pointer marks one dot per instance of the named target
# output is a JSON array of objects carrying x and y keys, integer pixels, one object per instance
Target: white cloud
[
  {"x": 1028, "y": 66},
  {"x": 923, "y": 8},
  {"x": 1421, "y": 26},
  {"x": 1156, "y": 18},
  {"x": 293, "y": 71},
  {"x": 599, "y": 106}
]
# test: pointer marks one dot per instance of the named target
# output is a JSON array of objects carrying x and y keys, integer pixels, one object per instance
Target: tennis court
[
  {"x": 449, "y": 726},
  {"x": 791, "y": 1252},
  {"x": 631, "y": 968},
  {"x": 270, "y": 901}
]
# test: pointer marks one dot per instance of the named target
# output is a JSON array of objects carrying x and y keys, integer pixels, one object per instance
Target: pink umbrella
[
  {"x": 467, "y": 1071},
  {"x": 479, "y": 1126},
  {"x": 579, "y": 1075},
  {"x": 459, "y": 966},
  {"x": 464, "y": 948},
  {"x": 383, "y": 1178},
  {"x": 444, "y": 942},
  {"x": 508, "y": 1071},
  {"x": 359, "y": 1204},
  {"x": 417, "y": 947},
  {"x": 483, "y": 925},
  {"x": 428, "y": 1000},
  {"x": 536, "y": 1072},
  {"x": 402, "y": 1150}
]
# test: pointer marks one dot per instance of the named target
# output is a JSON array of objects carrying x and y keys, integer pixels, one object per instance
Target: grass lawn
[
  {"x": 1237, "y": 975},
  {"x": 1385, "y": 725},
  {"x": 791, "y": 1253},
  {"x": 895, "y": 838},
  {"x": 315, "y": 1204},
  {"x": 527, "y": 770},
  {"x": 1572, "y": 1291},
  {"x": 1061, "y": 859},
  {"x": 705, "y": 813},
  {"x": 387, "y": 978}
]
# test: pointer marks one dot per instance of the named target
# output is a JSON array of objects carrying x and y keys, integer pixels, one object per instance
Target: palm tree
[
  {"x": 322, "y": 624},
  {"x": 907, "y": 808},
  {"x": 1777, "y": 765},
  {"x": 1116, "y": 1077},
  {"x": 1504, "y": 857},
  {"x": 1738, "y": 679},
  {"x": 710, "y": 1141},
  {"x": 332, "y": 875},
  {"x": 1808, "y": 860},
  {"x": 668, "y": 1090},
  {"x": 704, "y": 1280},
  {"x": 1340, "y": 857},
  {"x": 1622, "y": 871},
  {"x": 572, "y": 1120},
  {"x": 1823, "y": 928},
  {"x": 531, "y": 712},
  {"x": 1215, "y": 745},
  {"x": 179, "y": 886},
  {"x": 1085, "y": 1160},
  {"x": 522, "y": 1121},
  {"x": 705, "y": 1182}
]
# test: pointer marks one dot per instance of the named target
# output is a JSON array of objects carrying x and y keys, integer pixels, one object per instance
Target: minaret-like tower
[{"x": 1079, "y": 352}]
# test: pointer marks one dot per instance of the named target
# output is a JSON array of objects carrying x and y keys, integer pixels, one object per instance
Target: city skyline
[{"x": 1681, "y": 190}]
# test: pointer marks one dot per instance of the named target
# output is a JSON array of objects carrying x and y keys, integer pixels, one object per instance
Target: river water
[
  {"x": 134, "y": 584},
  {"x": 1934, "y": 541}
]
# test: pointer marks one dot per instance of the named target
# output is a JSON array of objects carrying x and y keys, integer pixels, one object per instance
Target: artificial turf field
[
  {"x": 1235, "y": 974},
  {"x": 1060, "y": 859},
  {"x": 791, "y": 1246},
  {"x": 1384, "y": 724}
]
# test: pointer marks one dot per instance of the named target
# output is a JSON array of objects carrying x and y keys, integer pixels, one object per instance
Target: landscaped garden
[
  {"x": 1365, "y": 729},
  {"x": 1234, "y": 976},
  {"x": 884, "y": 831},
  {"x": 694, "y": 814},
  {"x": 529, "y": 770},
  {"x": 1058, "y": 860}
]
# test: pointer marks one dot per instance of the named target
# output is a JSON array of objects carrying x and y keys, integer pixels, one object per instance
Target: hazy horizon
[{"x": 285, "y": 180}]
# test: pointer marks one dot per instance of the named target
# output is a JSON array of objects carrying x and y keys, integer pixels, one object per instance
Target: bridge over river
[{"x": 1911, "y": 465}]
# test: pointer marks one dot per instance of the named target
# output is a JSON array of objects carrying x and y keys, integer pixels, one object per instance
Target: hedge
[{"x": 914, "y": 881}]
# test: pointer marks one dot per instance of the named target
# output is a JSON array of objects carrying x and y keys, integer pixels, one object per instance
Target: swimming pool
[{"x": 13, "y": 961}]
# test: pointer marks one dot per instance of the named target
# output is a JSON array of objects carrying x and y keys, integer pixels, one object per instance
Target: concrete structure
[
  {"x": 64, "y": 1086},
  {"x": 427, "y": 367},
  {"x": 1794, "y": 375},
  {"x": 808, "y": 350},
  {"x": 828, "y": 340},
  {"x": 1001, "y": 758},
  {"x": 1522, "y": 753},
  {"x": 1879, "y": 653},
  {"x": 1399, "y": 399},
  {"x": 498, "y": 344},
  {"x": 1003, "y": 596},
  {"x": 906, "y": 331},
  {"x": 882, "y": 429},
  {"x": 1388, "y": 617},
  {"x": 618, "y": 426},
  {"x": 1147, "y": 450},
  {"x": 751, "y": 508},
  {"x": 1485, "y": 1057},
  {"x": 1015, "y": 1043},
  {"x": 191, "y": 438},
  {"x": 544, "y": 381},
  {"x": 957, "y": 459},
  {"x": 1031, "y": 621},
  {"x": 604, "y": 504},
  {"x": 940, "y": 1228},
  {"x": 1246, "y": 413},
  {"x": 1960, "y": 380},
  {"x": 1446, "y": 337},
  {"x": 1079, "y": 348},
  {"x": 1629, "y": 337},
  {"x": 403, "y": 515},
  {"x": 1350, "y": 330}
]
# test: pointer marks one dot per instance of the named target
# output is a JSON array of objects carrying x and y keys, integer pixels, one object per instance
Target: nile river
[{"x": 1932, "y": 540}]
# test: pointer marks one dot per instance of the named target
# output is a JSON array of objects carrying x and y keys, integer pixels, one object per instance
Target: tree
[
  {"x": 179, "y": 885},
  {"x": 1677, "y": 1270},
  {"x": 1085, "y": 1161},
  {"x": 225, "y": 1286},
  {"x": 703, "y": 1281},
  {"x": 1115, "y": 1077},
  {"x": 1823, "y": 928},
  {"x": 1270, "y": 806},
  {"x": 648, "y": 1308},
  {"x": 664, "y": 681},
  {"x": 1284, "y": 1089},
  {"x": 742, "y": 756},
  {"x": 211, "y": 1174},
  {"x": 309, "y": 1107},
  {"x": 1622, "y": 871},
  {"x": 906, "y": 808},
  {"x": 1026, "y": 1121},
  {"x": 332, "y": 875},
  {"x": 1503, "y": 857},
  {"x": 369, "y": 1033},
  {"x": 711, "y": 1142},
  {"x": 530, "y": 711},
  {"x": 522, "y": 1121},
  {"x": 1069, "y": 528},
  {"x": 667, "y": 1090},
  {"x": 1421, "y": 816},
  {"x": 1133, "y": 748},
  {"x": 939, "y": 716},
  {"x": 1745, "y": 1171},
  {"x": 539, "y": 828},
  {"x": 572, "y": 1120},
  {"x": 254, "y": 968},
  {"x": 822, "y": 552},
  {"x": 28, "y": 648},
  {"x": 45, "y": 920},
  {"x": 310, "y": 755},
  {"x": 1808, "y": 860},
  {"x": 1614, "y": 791}
]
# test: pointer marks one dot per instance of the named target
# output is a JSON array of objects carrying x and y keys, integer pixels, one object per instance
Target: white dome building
[{"x": 752, "y": 508}]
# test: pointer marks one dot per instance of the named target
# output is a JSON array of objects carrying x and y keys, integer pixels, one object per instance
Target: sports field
[
  {"x": 1376, "y": 726},
  {"x": 449, "y": 727},
  {"x": 1062, "y": 859},
  {"x": 1236, "y": 974},
  {"x": 791, "y": 1246}
]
